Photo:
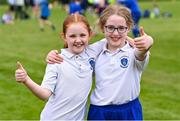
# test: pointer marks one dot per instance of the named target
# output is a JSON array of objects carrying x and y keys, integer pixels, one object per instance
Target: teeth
[
  {"x": 78, "y": 44},
  {"x": 116, "y": 38}
]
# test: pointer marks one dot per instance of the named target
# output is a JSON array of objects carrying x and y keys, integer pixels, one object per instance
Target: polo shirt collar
[
  {"x": 70, "y": 55},
  {"x": 125, "y": 48}
]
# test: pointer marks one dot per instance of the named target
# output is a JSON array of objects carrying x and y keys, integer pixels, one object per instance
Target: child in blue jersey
[
  {"x": 45, "y": 13},
  {"x": 66, "y": 86},
  {"x": 75, "y": 7},
  {"x": 136, "y": 13},
  {"x": 118, "y": 68}
]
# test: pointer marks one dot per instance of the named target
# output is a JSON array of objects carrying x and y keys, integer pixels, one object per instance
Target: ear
[
  {"x": 62, "y": 36},
  {"x": 91, "y": 34},
  {"x": 129, "y": 29}
]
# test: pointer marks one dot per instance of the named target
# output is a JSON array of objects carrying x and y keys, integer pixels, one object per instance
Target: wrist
[
  {"x": 26, "y": 80},
  {"x": 140, "y": 55}
]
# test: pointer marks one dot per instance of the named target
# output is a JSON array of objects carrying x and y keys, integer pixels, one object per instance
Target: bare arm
[{"x": 22, "y": 77}]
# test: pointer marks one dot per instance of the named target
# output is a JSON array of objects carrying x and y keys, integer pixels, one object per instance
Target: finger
[
  {"x": 20, "y": 80},
  {"x": 139, "y": 38},
  {"x": 19, "y": 66},
  {"x": 19, "y": 73},
  {"x": 141, "y": 49},
  {"x": 129, "y": 38},
  {"x": 142, "y": 33},
  {"x": 56, "y": 51},
  {"x": 139, "y": 42},
  {"x": 56, "y": 57},
  {"x": 52, "y": 61},
  {"x": 49, "y": 62}
]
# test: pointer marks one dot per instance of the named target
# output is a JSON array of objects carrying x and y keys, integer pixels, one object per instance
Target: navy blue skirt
[{"x": 129, "y": 111}]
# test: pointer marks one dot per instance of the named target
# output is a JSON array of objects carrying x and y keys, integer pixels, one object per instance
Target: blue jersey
[
  {"x": 135, "y": 12},
  {"x": 45, "y": 12},
  {"x": 132, "y": 5},
  {"x": 75, "y": 7}
]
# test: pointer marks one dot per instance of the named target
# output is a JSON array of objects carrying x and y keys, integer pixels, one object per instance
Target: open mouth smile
[{"x": 78, "y": 44}]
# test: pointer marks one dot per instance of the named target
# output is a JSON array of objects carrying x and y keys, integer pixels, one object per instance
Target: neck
[{"x": 114, "y": 48}]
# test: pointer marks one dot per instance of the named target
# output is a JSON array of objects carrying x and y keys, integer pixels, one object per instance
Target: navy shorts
[
  {"x": 129, "y": 111},
  {"x": 44, "y": 17}
]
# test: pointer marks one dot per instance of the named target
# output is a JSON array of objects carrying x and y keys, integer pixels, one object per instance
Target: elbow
[
  {"x": 44, "y": 98},
  {"x": 45, "y": 95}
]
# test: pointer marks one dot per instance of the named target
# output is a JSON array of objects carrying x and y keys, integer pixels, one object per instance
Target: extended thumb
[
  {"x": 142, "y": 31},
  {"x": 19, "y": 66}
]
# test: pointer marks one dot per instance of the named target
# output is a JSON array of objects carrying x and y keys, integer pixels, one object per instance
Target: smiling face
[
  {"x": 77, "y": 37},
  {"x": 116, "y": 38},
  {"x": 113, "y": 19}
]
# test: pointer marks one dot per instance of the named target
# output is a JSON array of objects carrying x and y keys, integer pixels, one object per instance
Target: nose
[
  {"x": 78, "y": 39},
  {"x": 116, "y": 32}
]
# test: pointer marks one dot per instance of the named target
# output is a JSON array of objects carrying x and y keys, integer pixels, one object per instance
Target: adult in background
[
  {"x": 11, "y": 4},
  {"x": 19, "y": 4}
]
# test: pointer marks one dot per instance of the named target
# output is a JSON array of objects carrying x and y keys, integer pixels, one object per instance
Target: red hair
[{"x": 75, "y": 18}]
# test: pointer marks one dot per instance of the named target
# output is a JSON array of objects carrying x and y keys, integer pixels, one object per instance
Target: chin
[
  {"x": 77, "y": 51},
  {"x": 115, "y": 44}
]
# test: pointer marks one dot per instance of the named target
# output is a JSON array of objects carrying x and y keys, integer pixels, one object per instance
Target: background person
[
  {"x": 45, "y": 14},
  {"x": 7, "y": 18},
  {"x": 136, "y": 14}
]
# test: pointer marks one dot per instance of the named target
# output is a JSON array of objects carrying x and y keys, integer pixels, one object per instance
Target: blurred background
[{"x": 26, "y": 38}]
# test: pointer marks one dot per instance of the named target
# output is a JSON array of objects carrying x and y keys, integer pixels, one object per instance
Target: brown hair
[
  {"x": 75, "y": 18},
  {"x": 115, "y": 10}
]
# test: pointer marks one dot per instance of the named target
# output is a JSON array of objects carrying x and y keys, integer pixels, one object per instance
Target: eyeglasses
[{"x": 120, "y": 29}]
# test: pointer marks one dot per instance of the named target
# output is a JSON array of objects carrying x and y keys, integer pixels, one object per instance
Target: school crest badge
[
  {"x": 124, "y": 61},
  {"x": 92, "y": 63}
]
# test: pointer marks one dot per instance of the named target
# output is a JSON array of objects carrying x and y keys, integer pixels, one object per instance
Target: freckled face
[
  {"x": 77, "y": 37},
  {"x": 116, "y": 39}
]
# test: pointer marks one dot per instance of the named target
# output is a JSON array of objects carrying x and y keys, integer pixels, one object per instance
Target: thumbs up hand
[
  {"x": 20, "y": 74},
  {"x": 144, "y": 42}
]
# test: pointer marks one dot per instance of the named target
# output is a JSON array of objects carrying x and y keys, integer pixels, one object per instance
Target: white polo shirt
[
  {"x": 70, "y": 83},
  {"x": 118, "y": 76}
]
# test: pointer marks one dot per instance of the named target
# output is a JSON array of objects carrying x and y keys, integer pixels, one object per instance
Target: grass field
[{"x": 160, "y": 85}]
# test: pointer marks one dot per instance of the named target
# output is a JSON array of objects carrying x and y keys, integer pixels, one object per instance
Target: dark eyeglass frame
[{"x": 118, "y": 29}]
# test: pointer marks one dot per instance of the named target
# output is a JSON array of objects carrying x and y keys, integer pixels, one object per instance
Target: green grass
[
  {"x": 160, "y": 83},
  {"x": 24, "y": 42}
]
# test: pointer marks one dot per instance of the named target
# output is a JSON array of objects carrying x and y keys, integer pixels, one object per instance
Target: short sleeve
[{"x": 50, "y": 77}]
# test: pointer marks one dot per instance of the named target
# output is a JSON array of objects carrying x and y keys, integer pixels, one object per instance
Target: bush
[{"x": 3, "y": 2}]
